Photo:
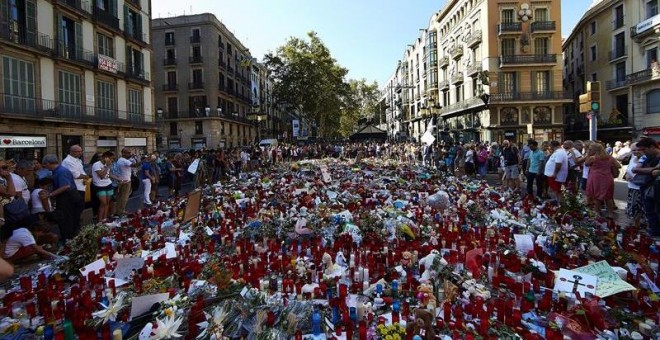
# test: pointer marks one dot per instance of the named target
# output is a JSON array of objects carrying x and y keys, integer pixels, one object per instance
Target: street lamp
[
  {"x": 159, "y": 113},
  {"x": 219, "y": 110},
  {"x": 207, "y": 110}
]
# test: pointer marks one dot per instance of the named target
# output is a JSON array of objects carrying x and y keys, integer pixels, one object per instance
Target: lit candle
[{"x": 366, "y": 275}]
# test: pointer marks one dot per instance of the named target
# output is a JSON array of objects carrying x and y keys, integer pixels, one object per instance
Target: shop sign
[
  {"x": 647, "y": 24},
  {"x": 135, "y": 141},
  {"x": 107, "y": 64},
  {"x": 106, "y": 142},
  {"x": 22, "y": 141},
  {"x": 510, "y": 134}
]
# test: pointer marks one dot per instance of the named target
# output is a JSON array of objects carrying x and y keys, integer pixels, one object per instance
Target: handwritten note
[
  {"x": 126, "y": 266},
  {"x": 609, "y": 282},
  {"x": 143, "y": 304}
]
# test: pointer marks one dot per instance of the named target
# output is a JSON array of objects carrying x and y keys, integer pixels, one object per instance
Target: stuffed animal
[
  {"x": 426, "y": 298},
  {"x": 422, "y": 326}
]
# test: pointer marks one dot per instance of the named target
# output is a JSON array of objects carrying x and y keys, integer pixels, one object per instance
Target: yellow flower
[{"x": 388, "y": 337}]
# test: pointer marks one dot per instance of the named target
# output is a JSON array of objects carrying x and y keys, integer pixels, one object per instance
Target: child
[{"x": 23, "y": 243}]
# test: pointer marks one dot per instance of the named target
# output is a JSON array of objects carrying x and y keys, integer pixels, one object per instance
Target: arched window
[{"x": 653, "y": 101}]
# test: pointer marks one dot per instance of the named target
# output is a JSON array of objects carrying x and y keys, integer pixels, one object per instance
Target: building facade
[
  {"x": 75, "y": 73},
  {"x": 206, "y": 95},
  {"x": 616, "y": 42},
  {"x": 508, "y": 51}
]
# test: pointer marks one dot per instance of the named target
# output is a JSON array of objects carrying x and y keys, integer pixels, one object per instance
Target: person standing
[
  {"x": 634, "y": 204},
  {"x": 125, "y": 164},
  {"x": 535, "y": 159},
  {"x": 556, "y": 169},
  {"x": 103, "y": 184},
  {"x": 147, "y": 178},
  {"x": 68, "y": 203},
  {"x": 600, "y": 183},
  {"x": 156, "y": 173},
  {"x": 24, "y": 169},
  {"x": 512, "y": 165},
  {"x": 651, "y": 150},
  {"x": 75, "y": 165}
]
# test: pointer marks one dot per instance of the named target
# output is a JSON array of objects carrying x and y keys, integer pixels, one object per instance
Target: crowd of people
[{"x": 54, "y": 191}]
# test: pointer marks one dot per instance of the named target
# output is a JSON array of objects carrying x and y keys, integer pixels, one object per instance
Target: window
[
  {"x": 445, "y": 98},
  {"x": 592, "y": 28},
  {"x": 508, "y": 82},
  {"x": 542, "y": 46},
  {"x": 105, "y": 99},
  {"x": 69, "y": 38},
  {"x": 220, "y": 43},
  {"x": 594, "y": 77},
  {"x": 104, "y": 45},
  {"x": 541, "y": 14},
  {"x": 508, "y": 16},
  {"x": 197, "y": 77},
  {"x": 169, "y": 38},
  {"x": 459, "y": 93},
  {"x": 171, "y": 54},
  {"x": 221, "y": 81},
  {"x": 651, "y": 57},
  {"x": 109, "y": 6},
  {"x": 651, "y": 8},
  {"x": 197, "y": 105},
  {"x": 174, "y": 131},
  {"x": 199, "y": 127},
  {"x": 229, "y": 49},
  {"x": 508, "y": 46},
  {"x": 171, "y": 80},
  {"x": 592, "y": 54},
  {"x": 134, "y": 104},
  {"x": 618, "y": 17},
  {"x": 475, "y": 87},
  {"x": 195, "y": 33},
  {"x": 22, "y": 15},
  {"x": 619, "y": 45},
  {"x": 70, "y": 94},
  {"x": 653, "y": 101},
  {"x": 18, "y": 79},
  {"x": 135, "y": 62},
  {"x": 132, "y": 23},
  {"x": 541, "y": 81},
  {"x": 196, "y": 52},
  {"x": 173, "y": 107},
  {"x": 620, "y": 71}
]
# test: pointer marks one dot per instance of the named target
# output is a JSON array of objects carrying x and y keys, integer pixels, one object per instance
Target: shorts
[
  {"x": 554, "y": 185},
  {"x": 105, "y": 191},
  {"x": 511, "y": 172}
]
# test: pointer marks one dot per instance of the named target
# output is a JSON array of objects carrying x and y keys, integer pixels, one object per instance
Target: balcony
[
  {"x": 645, "y": 28},
  {"x": 75, "y": 54},
  {"x": 619, "y": 52},
  {"x": 37, "y": 41},
  {"x": 444, "y": 61},
  {"x": 509, "y": 28},
  {"x": 33, "y": 108},
  {"x": 195, "y": 39},
  {"x": 457, "y": 78},
  {"x": 196, "y": 59},
  {"x": 136, "y": 73},
  {"x": 170, "y": 87},
  {"x": 83, "y": 7},
  {"x": 474, "y": 39},
  {"x": 443, "y": 84},
  {"x": 137, "y": 36},
  {"x": 456, "y": 51},
  {"x": 473, "y": 70},
  {"x": 196, "y": 85},
  {"x": 632, "y": 78},
  {"x": 529, "y": 96},
  {"x": 106, "y": 18},
  {"x": 169, "y": 61},
  {"x": 222, "y": 64},
  {"x": 135, "y": 3},
  {"x": 513, "y": 60},
  {"x": 543, "y": 26}
]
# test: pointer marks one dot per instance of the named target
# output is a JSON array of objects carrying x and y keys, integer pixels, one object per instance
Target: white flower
[
  {"x": 214, "y": 324},
  {"x": 167, "y": 328},
  {"x": 112, "y": 309}
]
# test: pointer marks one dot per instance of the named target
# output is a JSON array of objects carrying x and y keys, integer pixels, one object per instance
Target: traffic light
[{"x": 590, "y": 101}]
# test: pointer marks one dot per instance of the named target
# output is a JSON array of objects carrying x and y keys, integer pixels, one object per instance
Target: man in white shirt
[
  {"x": 24, "y": 168},
  {"x": 556, "y": 169},
  {"x": 75, "y": 165},
  {"x": 125, "y": 164}
]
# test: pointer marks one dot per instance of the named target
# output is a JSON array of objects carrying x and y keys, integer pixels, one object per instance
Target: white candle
[
  {"x": 365, "y": 286},
  {"x": 356, "y": 276},
  {"x": 361, "y": 272},
  {"x": 351, "y": 261},
  {"x": 366, "y": 275}
]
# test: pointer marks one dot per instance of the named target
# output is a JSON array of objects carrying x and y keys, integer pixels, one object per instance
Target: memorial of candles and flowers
[{"x": 341, "y": 250}]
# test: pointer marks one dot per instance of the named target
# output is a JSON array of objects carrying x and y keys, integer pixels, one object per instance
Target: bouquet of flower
[{"x": 391, "y": 332}]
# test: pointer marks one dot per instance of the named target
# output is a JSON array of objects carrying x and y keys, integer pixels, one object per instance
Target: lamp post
[
  {"x": 219, "y": 110},
  {"x": 159, "y": 113},
  {"x": 207, "y": 111}
]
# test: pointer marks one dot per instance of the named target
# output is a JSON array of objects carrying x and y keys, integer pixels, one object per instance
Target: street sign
[{"x": 595, "y": 106}]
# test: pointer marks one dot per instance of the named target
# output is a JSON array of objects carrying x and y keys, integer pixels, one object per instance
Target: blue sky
[{"x": 365, "y": 36}]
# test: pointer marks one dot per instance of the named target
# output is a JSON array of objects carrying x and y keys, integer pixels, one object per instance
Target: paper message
[
  {"x": 609, "y": 282},
  {"x": 95, "y": 267},
  {"x": 572, "y": 281},
  {"x": 143, "y": 304},
  {"x": 326, "y": 174},
  {"x": 126, "y": 266},
  {"x": 524, "y": 243}
]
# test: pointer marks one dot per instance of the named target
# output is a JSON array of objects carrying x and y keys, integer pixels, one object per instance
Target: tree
[
  {"x": 307, "y": 79},
  {"x": 360, "y": 104}
]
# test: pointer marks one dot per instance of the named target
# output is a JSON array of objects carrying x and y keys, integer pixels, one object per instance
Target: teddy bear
[
  {"x": 426, "y": 298},
  {"x": 422, "y": 325}
]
